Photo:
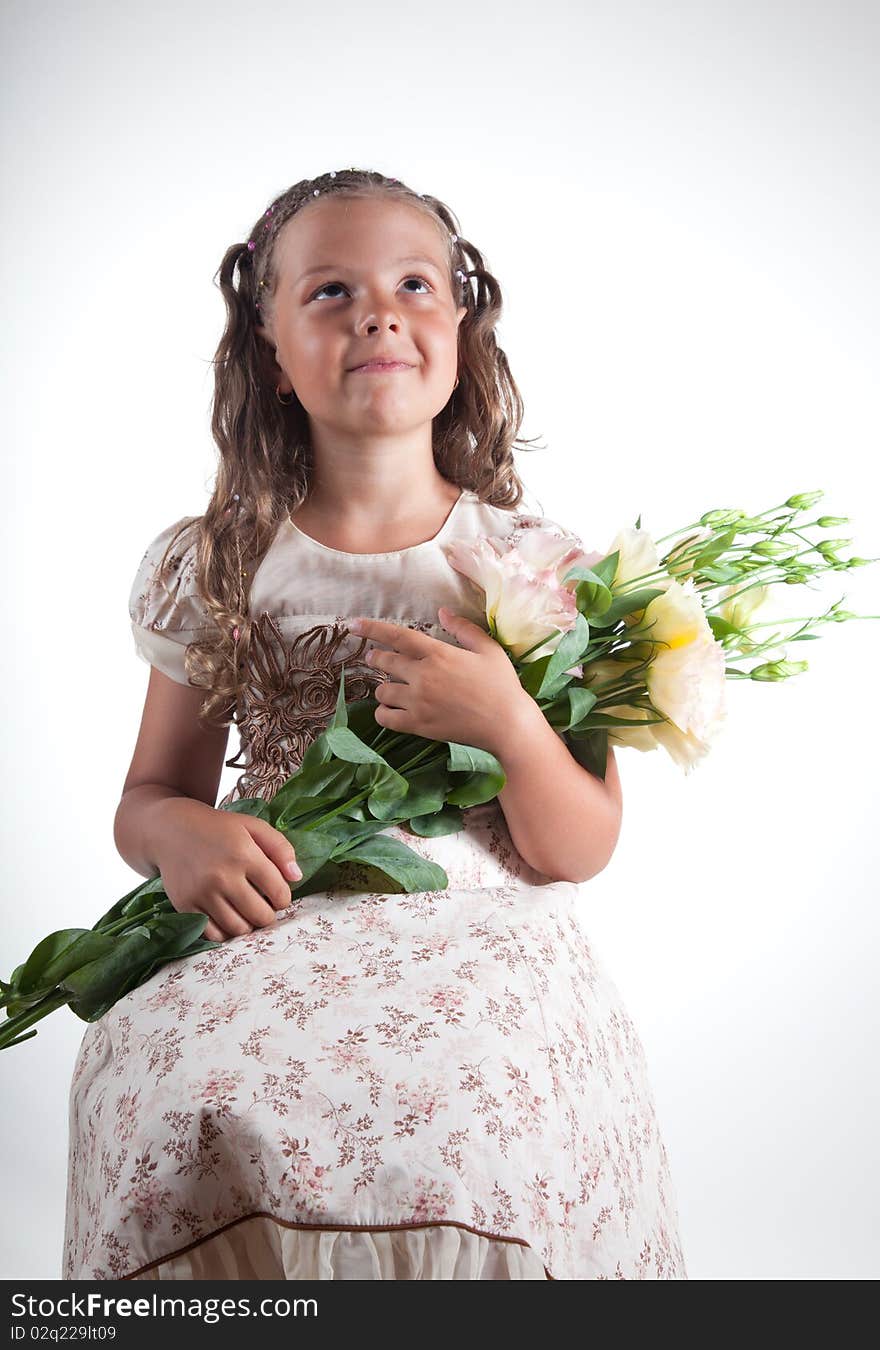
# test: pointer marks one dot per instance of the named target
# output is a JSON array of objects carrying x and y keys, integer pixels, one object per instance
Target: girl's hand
[
  {"x": 466, "y": 694},
  {"x": 224, "y": 864}
]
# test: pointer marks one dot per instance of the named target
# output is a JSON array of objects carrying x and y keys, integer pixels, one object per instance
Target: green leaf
[
  {"x": 630, "y": 603},
  {"x": 398, "y": 862},
  {"x": 531, "y": 675},
  {"x": 567, "y": 654},
  {"x": 426, "y": 789},
  {"x": 313, "y": 848},
  {"x": 593, "y": 595},
  {"x": 25, "y": 1036},
  {"x": 580, "y": 701},
  {"x": 150, "y": 887},
  {"x": 428, "y": 786},
  {"x": 712, "y": 550},
  {"x": 720, "y": 627},
  {"x": 471, "y": 759},
  {"x": 147, "y": 900},
  {"x": 591, "y": 752},
  {"x": 249, "y": 806},
  {"x": 722, "y": 573},
  {"x": 173, "y": 936},
  {"x": 340, "y": 715},
  {"x": 133, "y": 958},
  {"x": 316, "y": 787},
  {"x": 350, "y": 832},
  {"x": 362, "y": 722},
  {"x": 347, "y": 746},
  {"x": 479, "y": 788},
  {"x": 95, "y": 987},
  {"x": 447, "y": 821},
  {"x": 325, "y": 879},
  {"x": 482, "y": 776},
  {"x": 600, "y": 573},
  {"x": 57, "y": 955},
  {"x": 570, "y": 708},
  {"x": 597, "y": 720}
]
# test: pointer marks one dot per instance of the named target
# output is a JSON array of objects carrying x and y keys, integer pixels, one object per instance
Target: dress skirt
[{"x": 438, "y": 1085}]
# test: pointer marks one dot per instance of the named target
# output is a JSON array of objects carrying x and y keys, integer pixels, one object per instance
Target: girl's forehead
[{"x": 330, "y": 233}]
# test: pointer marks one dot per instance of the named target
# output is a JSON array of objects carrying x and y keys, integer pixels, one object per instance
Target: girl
[{"x": 356, "y": 1084}]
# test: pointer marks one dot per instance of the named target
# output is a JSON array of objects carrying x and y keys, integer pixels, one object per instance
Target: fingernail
[{"x": 292, "y": 872}]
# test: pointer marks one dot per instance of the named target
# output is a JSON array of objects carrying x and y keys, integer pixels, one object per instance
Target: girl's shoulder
[
  {"x": 164, "y": 606},
  {"x": 514, "y": 521}
]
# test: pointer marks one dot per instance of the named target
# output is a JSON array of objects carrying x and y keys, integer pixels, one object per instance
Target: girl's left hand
[{"x": 469, "y": 694}]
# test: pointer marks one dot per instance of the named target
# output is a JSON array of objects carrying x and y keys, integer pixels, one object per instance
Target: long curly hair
[{"x": 265, "y": 462}]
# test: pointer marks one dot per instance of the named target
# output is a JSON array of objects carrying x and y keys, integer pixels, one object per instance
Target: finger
[
  {"x": 253, "y": 905},
  {"x": 391, "y": 694},
  {"x": 213, "y": 933},
  {"x": 267, "y": 863},
  {"x": 269, "y": 883},
  {"x": 394, "y": 719},
  {"x": 395, "y": 663},
  {"x": 227, "y": 917},
  {"x": 409, "y": 641}
]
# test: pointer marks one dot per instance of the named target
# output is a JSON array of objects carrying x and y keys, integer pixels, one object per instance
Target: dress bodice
[{"x": 301, "y": 598}]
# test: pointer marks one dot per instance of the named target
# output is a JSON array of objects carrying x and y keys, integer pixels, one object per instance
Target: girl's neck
[{"x": 361, "y": 531}]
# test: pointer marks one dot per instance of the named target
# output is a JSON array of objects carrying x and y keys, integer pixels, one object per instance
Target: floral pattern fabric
[{"x": 443, "y": 1084}]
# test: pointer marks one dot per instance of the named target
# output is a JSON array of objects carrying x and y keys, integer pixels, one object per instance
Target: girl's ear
[{"x": 461, "y": 313}]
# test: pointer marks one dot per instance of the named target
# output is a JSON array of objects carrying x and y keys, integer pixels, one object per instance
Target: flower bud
[
  {"x": 778, "y": 670},
  {"x": 802, "y": 500},
  {"x": 680, "y": 560},
  {"x": 721, "y": 517},
  {"x": 771, "y": 548},
  {"x": 828, "y": 522}
]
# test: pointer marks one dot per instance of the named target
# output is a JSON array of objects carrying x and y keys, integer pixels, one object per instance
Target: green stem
[
  {"x": 303, "y": 821},
  {"x": 132, "y": 920},
  {"x": 13, "y": 1025}
]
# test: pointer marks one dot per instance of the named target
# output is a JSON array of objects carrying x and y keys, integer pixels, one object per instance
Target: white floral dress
[{"x": 440, "y": 1085}]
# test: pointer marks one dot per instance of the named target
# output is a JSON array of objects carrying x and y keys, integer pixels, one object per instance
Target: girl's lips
[{"x": 374, "y": 366}]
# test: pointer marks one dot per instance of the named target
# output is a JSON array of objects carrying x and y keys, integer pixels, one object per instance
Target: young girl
[{"x": 356, "y": 1084}]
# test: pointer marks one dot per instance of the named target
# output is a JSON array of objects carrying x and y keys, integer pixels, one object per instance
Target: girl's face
[{"x": 357, "y": 279}]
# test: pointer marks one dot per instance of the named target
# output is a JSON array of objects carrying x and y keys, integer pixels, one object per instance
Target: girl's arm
[{"x": 563, "y": 820}]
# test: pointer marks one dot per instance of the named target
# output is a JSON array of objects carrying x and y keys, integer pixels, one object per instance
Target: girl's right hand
[{"x": 224, "y": 864}]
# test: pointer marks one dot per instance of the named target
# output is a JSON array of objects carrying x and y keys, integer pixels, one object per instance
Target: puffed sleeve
[{"x": 166, "y": 615}]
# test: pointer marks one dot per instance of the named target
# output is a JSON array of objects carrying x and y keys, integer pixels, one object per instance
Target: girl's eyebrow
[{"x": 340, "y": 267}]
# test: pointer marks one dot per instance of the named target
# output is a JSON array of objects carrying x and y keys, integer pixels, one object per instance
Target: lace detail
[
  {"x": 523, "y": 520},
  {"x": 170, "y": 605},
  {"x": 290, "y": 696}
]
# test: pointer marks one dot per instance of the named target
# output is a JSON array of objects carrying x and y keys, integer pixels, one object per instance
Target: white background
[{"x": 681, "y": 204}]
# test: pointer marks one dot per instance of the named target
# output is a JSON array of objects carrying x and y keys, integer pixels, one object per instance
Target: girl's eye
[{"x": 328, "y": 284}]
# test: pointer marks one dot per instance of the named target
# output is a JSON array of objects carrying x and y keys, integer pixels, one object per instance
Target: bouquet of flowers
[{"x": 626, "y": 646}]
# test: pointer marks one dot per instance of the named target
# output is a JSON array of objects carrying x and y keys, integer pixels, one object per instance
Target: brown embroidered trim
[
  {"x": 290, "y": 695},
  {"x": 331, "y": 1228}
]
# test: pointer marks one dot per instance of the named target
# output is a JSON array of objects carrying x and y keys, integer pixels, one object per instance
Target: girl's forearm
[
  {"x": 134, "y": 829},
  {"x": 563, "y": 820}
]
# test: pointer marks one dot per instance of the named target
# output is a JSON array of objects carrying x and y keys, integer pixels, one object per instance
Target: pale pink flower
[{"x": 522, "y": 579}]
